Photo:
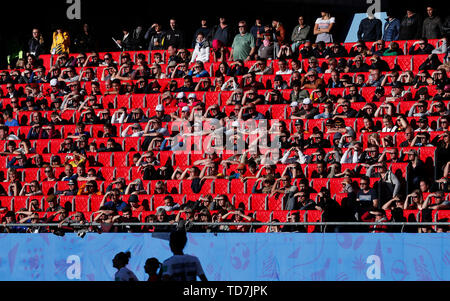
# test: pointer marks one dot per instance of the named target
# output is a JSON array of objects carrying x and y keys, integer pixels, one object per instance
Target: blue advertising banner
[{"x": 233, "y": 257}]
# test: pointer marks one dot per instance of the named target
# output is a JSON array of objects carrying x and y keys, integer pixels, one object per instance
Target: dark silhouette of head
[{"x": 178, "y": 240}]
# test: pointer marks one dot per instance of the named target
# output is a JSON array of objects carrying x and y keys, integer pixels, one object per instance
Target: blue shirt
[
  {"x": 203, "y": 73},
  {"x": 119, "y": 207},
  {"x": 391, "y": 30},
  {"x": 12, "y": 123}
]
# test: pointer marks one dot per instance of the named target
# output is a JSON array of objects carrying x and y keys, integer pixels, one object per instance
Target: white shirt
[
  {"x": 428, "y": 129},
  {"x": 286, "y": 160},
  {"x": 200, "y": 54},
  {"x": 325, "y": 23},
  {"x": 135, "y": 134},
  {"x": 389, "y": 130},
  {"x": 346, "y": 158},
  {"x": 287, "y": 71},
  {"x": 124, "y": 274},
  {"x": 182, "y": 268},
  {"x": 175, "y": 206}
]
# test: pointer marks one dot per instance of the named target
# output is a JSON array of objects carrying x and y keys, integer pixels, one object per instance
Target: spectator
[
  {"x": 267, "y": 49},
  {"x": 424, "y": 47},
  {"x": 370, "y": 29},
  {"x": 354, "y": 95},
  {"x": 391, "y": 28},
  {"x": 181, "y": 267},
  {"x": 201, "y": 49},
  {"x": 410, "y": 26},
  {"x": 432, "y": 25},
  {"x": 388, "y": 185},
  {"x": 169, "y": 204},
  {"x": 116, "y": 202},
  {"x": 155, "y": 37},
  {"x": 173, "y": 36},
  {"x": 85, "y": 41},
  {"x": 393, "y": 50},
  {"x": 198, "y": 70},
  {"x": 221, "y": 34},
  {"x": 300, "y": 34},
  {"x": 120, "y": 262},
  {"x": 258, "y": 32},
  {"x": 243, "y": 47},
  {"x": 312, "y": 81},
  {"x": 36, "y": 45},
  {"x": 151, "y": 268},
  {"x": 323, "y": 27},
  {"x": 279, "y": 34},
  {"x": 357, "y": 65},
  {"x": 308, "y": 110},
  {"x": 366, "y": 197},
  {"x": 61, "y": 41},
  {"x": 307, "y": 51}
]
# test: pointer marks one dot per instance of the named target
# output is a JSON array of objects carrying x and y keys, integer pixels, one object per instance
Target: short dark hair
[{"x": 178, "y": 240}]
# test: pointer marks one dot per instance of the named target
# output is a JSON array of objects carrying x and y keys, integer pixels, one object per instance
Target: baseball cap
[
  {"x": 71, "y": 182},
  {"x": 185, "y": 109},
  {"x": 299, "y": 122},
  {"x": 53, "y": 82},
  {"x": 294, "y": 104},
  {"x": 133, "y": 199},
  {"x": 306, "y": 101},
  {"x": 339, "y": 122},
  {"x": 181, "y": 95},
  {"x": 192, "y": 95},
  {"x": 159, "y": 108},
  {"x": 329, "y": 122},
  {"x": 235, "y": 124}
]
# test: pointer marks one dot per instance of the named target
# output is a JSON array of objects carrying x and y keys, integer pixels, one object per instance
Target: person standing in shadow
[{"x": 181, "y": 267}]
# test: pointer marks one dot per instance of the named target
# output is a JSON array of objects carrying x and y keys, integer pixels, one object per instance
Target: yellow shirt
[
  {"x": 61, "y": 42},
  {"x": 75, "y": 164}
]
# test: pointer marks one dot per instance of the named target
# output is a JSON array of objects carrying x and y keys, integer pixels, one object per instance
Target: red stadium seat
[{"x": 258, "y": 202}]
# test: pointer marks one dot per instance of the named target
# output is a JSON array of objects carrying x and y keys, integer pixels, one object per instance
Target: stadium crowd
[{"x": 261, "y": 124}]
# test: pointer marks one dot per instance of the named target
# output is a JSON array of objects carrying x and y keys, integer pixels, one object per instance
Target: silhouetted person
[
  {"x": 181, "y": 267},
  {"x": 123, "y": 273}
]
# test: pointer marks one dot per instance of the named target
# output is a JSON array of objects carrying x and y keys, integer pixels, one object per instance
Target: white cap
[
  {"x": 294, "y": 104},
  {"x": 306, "y": 101},
  {"x": 192, "y": 95},
  {"x": 159, "y": 108},
  {"x": 53, "y": 82},
  {"x": 180, "y": 95},
  {"x": 185, "y": 109},
  {"x": 235, "y": 124}
]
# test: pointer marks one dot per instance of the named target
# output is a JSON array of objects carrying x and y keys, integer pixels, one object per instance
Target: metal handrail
[{"x": 235, "y": 224}]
